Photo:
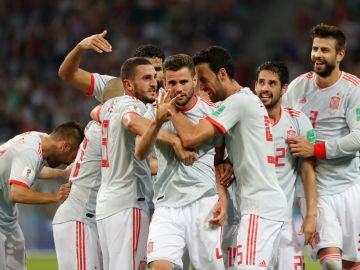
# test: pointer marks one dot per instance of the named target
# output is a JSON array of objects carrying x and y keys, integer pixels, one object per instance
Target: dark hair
[
  {"x": 278, "y": 68},
  {"x": 149, "y": 50},
  {"x": 128, "y": 67},
  {"x": 177, "y": 61},
  {"x": 217, "y": 57},
  {"x": 70, "y": 131},
  {"x": 329, "y": 31}
]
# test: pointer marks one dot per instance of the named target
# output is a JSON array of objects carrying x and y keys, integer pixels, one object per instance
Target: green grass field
[{"x": 48, "y": 262}]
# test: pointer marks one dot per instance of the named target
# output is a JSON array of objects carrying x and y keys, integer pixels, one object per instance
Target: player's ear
[
  {"x": 284, "y": 88},
  {"x": 222, "y": 74},
  {"x": 128, "y": 86},
  {"x": 65, "y": 146}
]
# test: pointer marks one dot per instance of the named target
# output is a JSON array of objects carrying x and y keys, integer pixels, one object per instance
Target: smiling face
[
  {"x": 324, "y": 56},
  {"x": 210, "y": 82},
  {"x": 268, "y": 88},
  {"x": 180, "y": 84}
]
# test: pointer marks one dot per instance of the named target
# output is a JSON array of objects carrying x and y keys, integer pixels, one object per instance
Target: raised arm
[{"x": 70, "y": 70}]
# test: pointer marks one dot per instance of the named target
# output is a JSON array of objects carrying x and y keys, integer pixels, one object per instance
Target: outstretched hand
[{"x": 96, "y": 42}]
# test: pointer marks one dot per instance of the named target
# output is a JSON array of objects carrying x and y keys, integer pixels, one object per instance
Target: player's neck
[
  {"x": 233, "y": 87},
  {"x": 45, "y": 142},
  {"x": 324, "y": 82},
  {"x": 274, "y": 114}
]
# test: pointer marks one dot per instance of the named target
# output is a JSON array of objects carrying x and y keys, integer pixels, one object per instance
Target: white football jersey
[
  {"x": 124, "y": 179},
  {"x": 243, "y": 119},
  {"x": 292, "y": 123},
  {"x": 86, "y": 178},
  {"x": 335, "y": 115},
  {"x": 20, "y": 162},
  {"x": 98, "y": 82},
  {"x": 178, "y": 184}
]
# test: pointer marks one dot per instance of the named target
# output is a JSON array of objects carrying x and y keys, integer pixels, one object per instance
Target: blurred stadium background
[{"x": 36, "y": 35}]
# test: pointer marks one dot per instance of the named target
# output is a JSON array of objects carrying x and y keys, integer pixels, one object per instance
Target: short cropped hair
[
  {"x": 278, "y": 68},
  {"x": 128, "y": 67},
  {"x": 217, "y": 57},
  {"x": 329, "y": 31},
  {"x": 150, "y": 51},
  {"x": 178, "y": 61},
  {"x": 69, "y": 131}
]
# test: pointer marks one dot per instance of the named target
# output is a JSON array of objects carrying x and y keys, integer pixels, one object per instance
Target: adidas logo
[
  {"x": 262, "y": 263},
  {"x": 303, "y": 100}
]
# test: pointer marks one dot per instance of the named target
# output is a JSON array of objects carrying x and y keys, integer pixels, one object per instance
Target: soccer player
[
  {"x": 76, "y": 216},
  {"x": 21, "y": 159},
  {"x": 330, "y": 98},
  {"x": 243, "y": 119},
  {"x": 272, "y": 79},
  {"x": 184, "y": 194}
]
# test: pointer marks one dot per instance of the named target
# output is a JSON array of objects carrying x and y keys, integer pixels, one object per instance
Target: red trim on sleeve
[
  {"x": 91, "y": 88},
  {"x": 320, "y": 150},
  {"x": 220, "y": 147},
  {"x": 98, "y": 114},
  {"x": 16, "y": 182},
  {"x": 218, "y": 125}
]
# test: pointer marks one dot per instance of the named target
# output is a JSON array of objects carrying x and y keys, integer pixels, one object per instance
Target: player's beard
[
  {"x": 188, "y": 97},
  {"x": 326, "y": 71},
  {"x": 274, "y": 100}
]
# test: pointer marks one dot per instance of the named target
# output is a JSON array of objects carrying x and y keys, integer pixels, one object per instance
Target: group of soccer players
[{"x": 165, "y": 177}]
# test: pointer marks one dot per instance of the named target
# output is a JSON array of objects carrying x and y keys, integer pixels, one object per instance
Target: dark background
[{"x": 36, "y": 36}]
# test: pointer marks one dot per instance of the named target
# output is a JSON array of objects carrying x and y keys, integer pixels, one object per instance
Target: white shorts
[
  {"x": 173, "y": 229},
  {"x": 228, "y": 246},
  {"x": 257, "y": 242},
  {"x": 290, "y": 252},
  {"x": 12, "y": 250},
  {"x": 77, "y": 246},
  {"x": 123, "y": 239},
  {"x": 338, "y": 223}
]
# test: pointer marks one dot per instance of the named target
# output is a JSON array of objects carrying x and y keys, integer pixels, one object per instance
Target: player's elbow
[
  {"x": 188, "y": 142},
  {"x": 14, "y": 197}
]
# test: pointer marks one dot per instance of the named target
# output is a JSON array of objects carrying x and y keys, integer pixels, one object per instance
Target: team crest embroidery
[
  {"x": 291, "y": 133},
  {"x": 334, "y": 103},
  {"x": 150, "y": 247},
  {"x": 303, "y": 100}
]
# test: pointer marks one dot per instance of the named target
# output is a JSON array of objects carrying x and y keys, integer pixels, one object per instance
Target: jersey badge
[
  {"x": 150, "y": 247},
  {"x": 358, "y": 114},
  {"x": 263, "y": 263},
  {"x": 28, "y": 173},
  {"x": 218, "y": 111},
  {"x": 334, "y": 103},
  {"x": 311, "y": 136},
  {"x": 291, "y": 133},
  {"x": 303, "y": 100}
]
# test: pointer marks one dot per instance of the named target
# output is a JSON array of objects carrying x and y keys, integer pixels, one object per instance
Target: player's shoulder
[
  {"x": 351, "y": 79},
  {"x": 292, "y": 112}
]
